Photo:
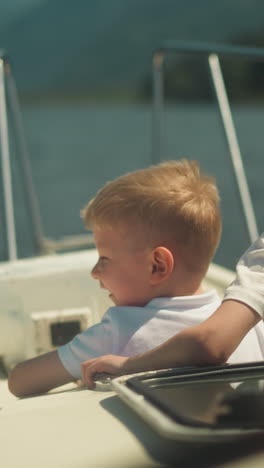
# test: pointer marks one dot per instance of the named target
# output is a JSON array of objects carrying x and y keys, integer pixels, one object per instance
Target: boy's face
[{"x": 124, "y": 265}]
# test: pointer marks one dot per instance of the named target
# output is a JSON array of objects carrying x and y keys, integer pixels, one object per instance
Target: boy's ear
[{"x": 162, "y": 264}]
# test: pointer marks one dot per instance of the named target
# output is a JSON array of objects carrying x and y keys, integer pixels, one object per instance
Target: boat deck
[
  {"x": 69, "y": 428},
  {"x": 76, "y": 428}
]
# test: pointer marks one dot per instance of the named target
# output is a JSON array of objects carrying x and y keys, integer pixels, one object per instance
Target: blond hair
[{"x": 174, "y": 200}]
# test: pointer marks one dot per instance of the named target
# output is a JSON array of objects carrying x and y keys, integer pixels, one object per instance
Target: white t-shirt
[
  {"x": 248, "y": 287},
  {"x": 127, "y": 331}
]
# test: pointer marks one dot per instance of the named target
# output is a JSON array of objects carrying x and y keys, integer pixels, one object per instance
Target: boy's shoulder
[{"x": 131, "y": 313}]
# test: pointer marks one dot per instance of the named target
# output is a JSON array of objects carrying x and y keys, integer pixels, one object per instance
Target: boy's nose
[{"x": 95, "y": 271}]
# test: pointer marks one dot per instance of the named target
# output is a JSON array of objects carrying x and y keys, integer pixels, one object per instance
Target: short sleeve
[
  {"x": 93, "y": 342},
  {"x": 248, "y": 286}
]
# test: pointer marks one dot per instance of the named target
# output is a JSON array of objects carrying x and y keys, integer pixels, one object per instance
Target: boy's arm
[
  {"x": 38, "y": 375},
  {"x": 210, "y": 343}
]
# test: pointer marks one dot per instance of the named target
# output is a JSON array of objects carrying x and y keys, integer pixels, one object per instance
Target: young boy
[
  {"x": 156, "y": 231},
  {"x": 212, "y": 341}
]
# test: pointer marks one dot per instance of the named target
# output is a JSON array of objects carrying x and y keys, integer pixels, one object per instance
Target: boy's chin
[
  {"x": 111, "y": 297},
  {"x": 116, "y": 302}
]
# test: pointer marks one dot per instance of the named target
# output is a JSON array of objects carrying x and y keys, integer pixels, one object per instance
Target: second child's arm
[
  {"x": 209, "y": 343},
  {"x": 38, "y": 375}
]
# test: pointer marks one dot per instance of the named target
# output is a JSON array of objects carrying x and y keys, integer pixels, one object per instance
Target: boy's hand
[{"x": 110, "y": 364}]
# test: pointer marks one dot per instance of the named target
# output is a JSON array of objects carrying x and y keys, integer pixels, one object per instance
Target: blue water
[{"x": 74, "y": 149}]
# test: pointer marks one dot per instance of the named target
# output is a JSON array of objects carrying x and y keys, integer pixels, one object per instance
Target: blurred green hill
[{"x": 97, "y": 47}]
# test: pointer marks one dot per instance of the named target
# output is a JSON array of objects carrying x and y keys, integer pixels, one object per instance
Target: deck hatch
[{"x": 217, "y": 401}]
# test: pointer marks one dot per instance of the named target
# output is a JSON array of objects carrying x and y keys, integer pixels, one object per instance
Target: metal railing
[
  {"x": 6, "y": 166},
  {"x": 8, "y": 95},
  {"x": 212, "y": 52}
]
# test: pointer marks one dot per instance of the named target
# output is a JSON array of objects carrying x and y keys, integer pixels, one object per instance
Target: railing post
[
  {"x": 158, "y": 108},
  {"x": 233, "y": 145},
  {"x": 26, "y": 167},
  {"x": 6, "y": 169},
  {"x": 210, "y": 51}
]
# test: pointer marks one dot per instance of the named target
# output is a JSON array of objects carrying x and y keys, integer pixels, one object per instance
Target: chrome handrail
[
  {"x": 7, "y": 84},
  {"x": 212, "y": 52},
  {"x": 8, "y": 93},
  {"x": 6, "y": 167},
  {"x": 25, "y": 159}
]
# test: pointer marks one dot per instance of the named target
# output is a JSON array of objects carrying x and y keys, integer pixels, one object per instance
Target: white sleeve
[
  {"x": 248, "y": 286},
  {"x": 93, "y": 342}
]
